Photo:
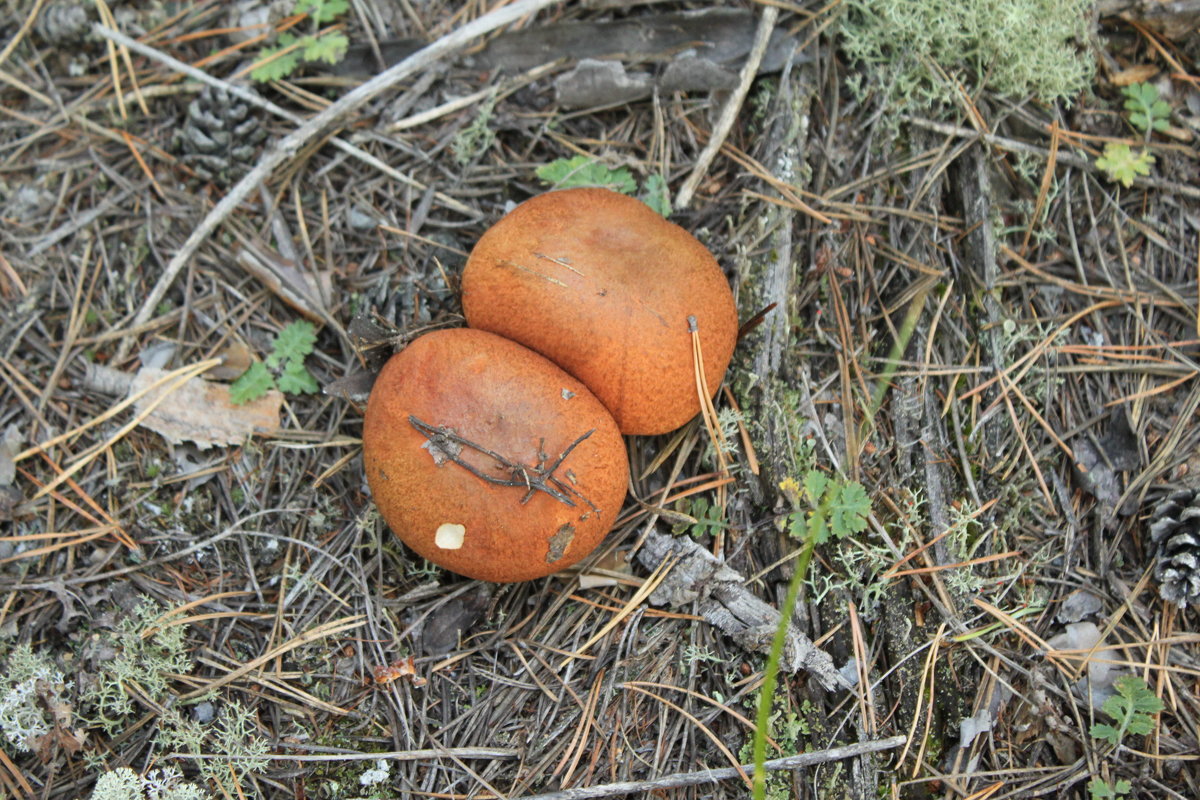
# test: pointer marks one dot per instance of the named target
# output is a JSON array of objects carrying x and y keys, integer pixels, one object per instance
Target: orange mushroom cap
[
  {"x": 487, "y": 459},
  {"x": 604, "y": 287}
]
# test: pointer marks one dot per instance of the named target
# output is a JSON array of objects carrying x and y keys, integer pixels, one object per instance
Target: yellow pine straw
[
  {"x": 177, "y": 378},
  {"x": 78, "y": 537},
  {"x": 743, "y": 432},
  {"x": 985, "y": 792},
  {"x": 165, "y": 619},
  {"x": 274, "y": 684},
  {"x": 106, "y": 16},
  {"x": 703, "y": 728},
  {"x": 575, "y": 748},
  {"x": 644, "y": 591},
  {"x": 892, "y": 571},
  {"x": 928, "y": 677},
  {"x": 866, "y": 698},
  {"x": 330, "y": 628},
  {"x": 707, "y": 410}
]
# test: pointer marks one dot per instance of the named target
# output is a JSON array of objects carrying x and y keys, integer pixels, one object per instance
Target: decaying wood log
[{"x": 683, "y": 51}]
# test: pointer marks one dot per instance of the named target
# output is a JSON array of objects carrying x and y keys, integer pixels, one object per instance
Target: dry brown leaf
[
  {"x": 1136, "y": 74},
  {"x": 236, "y": 358},
  {"x": 200, "y": 411}
]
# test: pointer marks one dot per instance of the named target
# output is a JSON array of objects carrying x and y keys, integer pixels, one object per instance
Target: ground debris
[{"x": 722, "y": 598}]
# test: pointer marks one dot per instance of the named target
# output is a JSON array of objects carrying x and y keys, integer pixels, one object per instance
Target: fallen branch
[{"x": 705, "y": 776}]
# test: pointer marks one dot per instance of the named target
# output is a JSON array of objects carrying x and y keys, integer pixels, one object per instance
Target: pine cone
[
  {"x": 1175, "y": 536},
  {"x": 221, "y": 136},
  {"x": 63, "y": 23}
]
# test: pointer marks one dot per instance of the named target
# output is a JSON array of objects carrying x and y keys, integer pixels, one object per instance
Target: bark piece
[
  {"x": 702, "y": 50},
  {"x": 721, "y": 597},
  {"x": 197, "y": 411}
]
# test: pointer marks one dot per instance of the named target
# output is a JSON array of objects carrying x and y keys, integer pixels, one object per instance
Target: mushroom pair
[{"x": 495, "y": 451}]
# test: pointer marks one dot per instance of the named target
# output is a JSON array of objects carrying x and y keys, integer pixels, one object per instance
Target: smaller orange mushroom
[
  {"x": 606, "y": 288},
  {"x": 488, "y": 460}
]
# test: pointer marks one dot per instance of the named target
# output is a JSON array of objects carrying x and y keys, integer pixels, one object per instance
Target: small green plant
[
  {"x": 1130, "y": 708},
  {"x": 275, "y": 63},
  {"x": 577, "y": 171},
  {"x": 707, "y": 517},
  {"x": 283, "y": 369},
  {"x": 1103, "y": 790},
  {"x": 476, "y": 137},
  {"x": 824, "y": 507},
  {"x": 1121, "y": 164},
  {"x": 1147, "y": 112},
  {"x": 834, "y": 507}
]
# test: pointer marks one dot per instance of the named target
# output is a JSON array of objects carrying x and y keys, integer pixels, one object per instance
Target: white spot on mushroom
[
  {"x": 567, "y": 394},
  {"x": 450, "y": 536}
]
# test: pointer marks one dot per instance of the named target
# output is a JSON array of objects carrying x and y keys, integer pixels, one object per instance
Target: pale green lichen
[
  {"x": 123, "y": 783},
  {"x": 148, "y": 653},
  {"x": 919, "y": 53},
  {"x": 29, "y": 684}
]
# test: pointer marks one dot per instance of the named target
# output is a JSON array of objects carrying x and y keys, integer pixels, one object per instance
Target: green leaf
[
  {"x": 815, "y": 483},
  {"x": 849, "y": 510},
  {"x": 280, "y": 63},
  {"x": 328, "y": 47},
  {"x": 797, "y": 525},
  {"x": 1102, "y": 790},
  {"x": 1106, "y": 732},
  {"x": 322, "y": 10},
  {"x": 295, "y": 379},
  {"x": 818, "y": 529},
  {"x": 1130, "y": 707},
  {"x": 293, "y": 343},
  {"x": 1122, "y": 165},
  {"x": 1138, "y": 695},
  {"x": 1140, "y": 724},
  {"x": 251, "y": 384},
  {"x": 565, "y": 173},
  {"x": 657, "y": 195},
  {"x": 1147, "y": 110}
]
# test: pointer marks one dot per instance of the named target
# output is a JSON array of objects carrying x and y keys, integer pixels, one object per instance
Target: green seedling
[
  {"x": 283, "y": 369},
  {"x": 276, "y": 63},
  {"x": 1131, "y": 708},
  {"x": 824, "y": 507},
  {"x": 580, "y": 171},
  {"x": 1121, "y": 164},
  {"x": 1103, "y": 790},
  {"x": 1147, "y": 112}
]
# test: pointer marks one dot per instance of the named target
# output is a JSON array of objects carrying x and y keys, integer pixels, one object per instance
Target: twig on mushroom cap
[{"x": 539, "y": 478}]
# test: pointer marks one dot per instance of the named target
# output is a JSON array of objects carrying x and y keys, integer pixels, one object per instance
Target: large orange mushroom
[
  {"x": 489, "y": 460},
  {"x": 610, "y": 291}
]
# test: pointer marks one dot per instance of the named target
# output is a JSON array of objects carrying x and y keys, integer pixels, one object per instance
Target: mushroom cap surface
[
  {"x": 604, "y": 287},
  {"x": 458, "y": 411}
]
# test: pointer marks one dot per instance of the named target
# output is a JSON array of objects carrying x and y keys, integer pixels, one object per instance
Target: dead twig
[
  {"x": 700, "y": 777},
  {"x": 445, "y": 444},
  {"x": 732, "y": 106}
]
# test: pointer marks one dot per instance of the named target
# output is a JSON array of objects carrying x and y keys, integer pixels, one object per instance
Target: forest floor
[{"x": 980, "y": 309}]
